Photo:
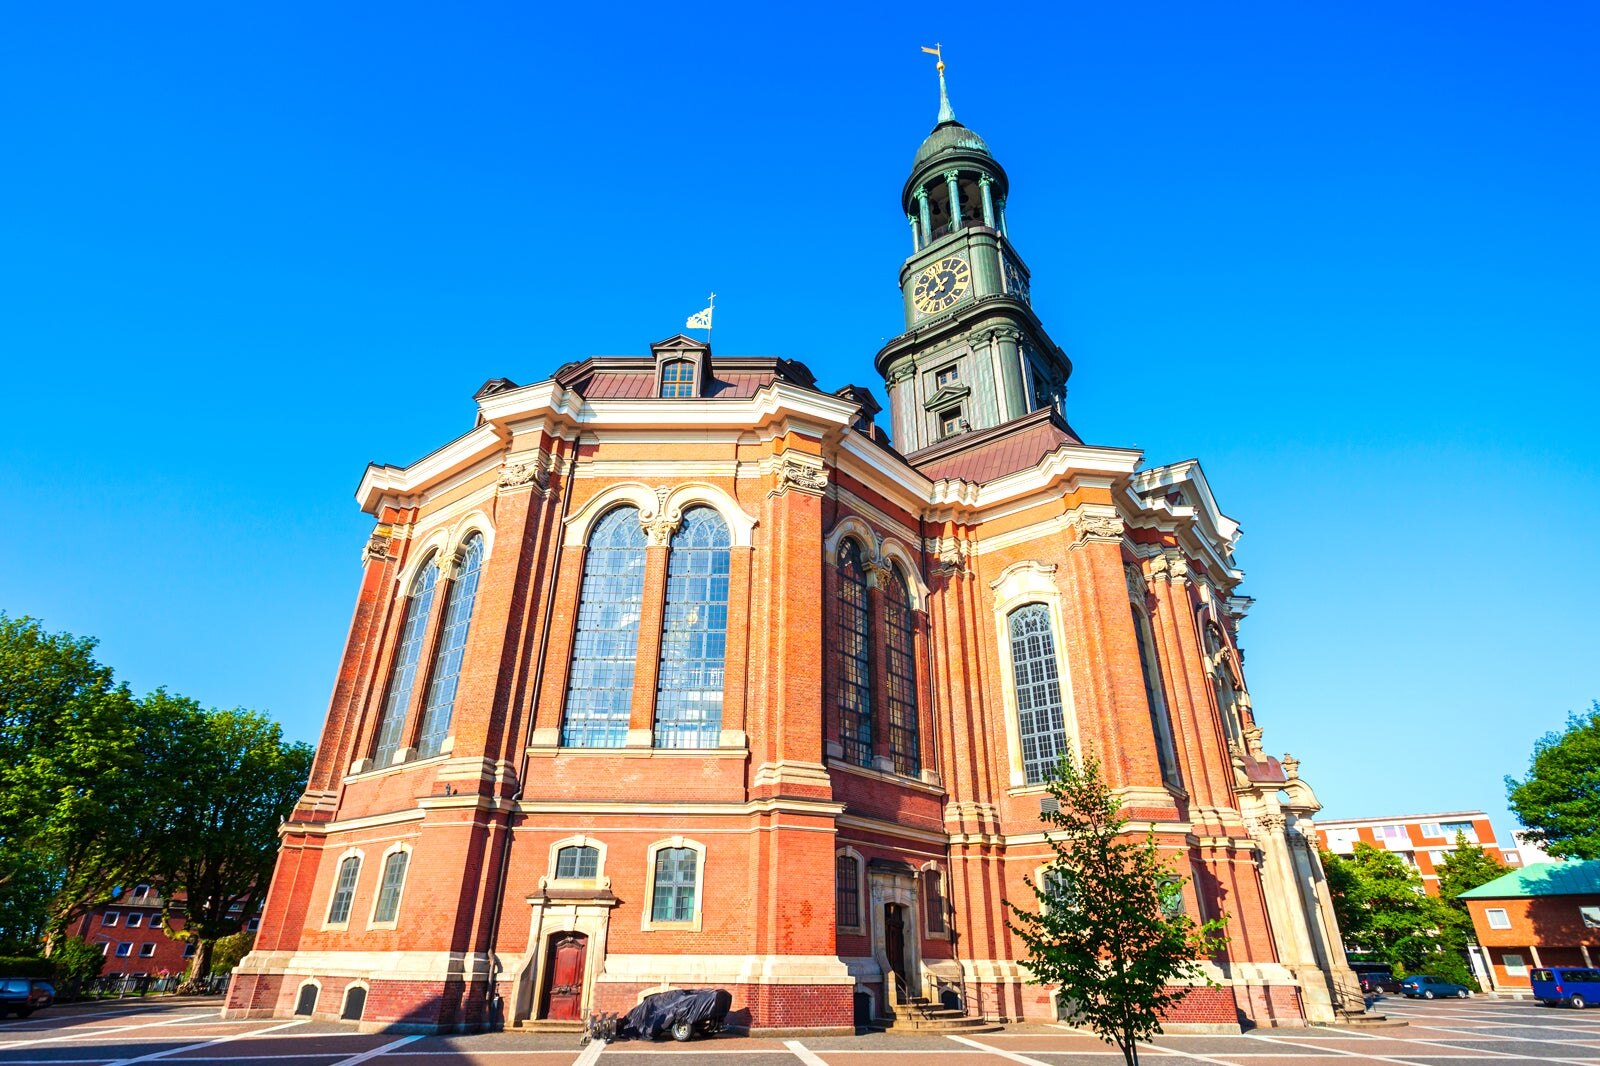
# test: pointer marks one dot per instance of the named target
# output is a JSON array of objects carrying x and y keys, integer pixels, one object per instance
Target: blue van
[{"x": 1576, "y": 985}]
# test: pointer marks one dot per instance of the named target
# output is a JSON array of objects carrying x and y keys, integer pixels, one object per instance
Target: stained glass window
[
  {"x": 1040, "y": 721},
  {"x": 901, "y": 672},
  {"x": 600, "y": 686},
  {"x": 394, "y": 880},
  {"x": 694, "y": 633},
  {"x": 344, "y": 890},
  {"x": 853, "y": 657},
  {"x": 403, "y": 674},
  {"x": 847, "y": 891},
  {"x": 452, "y": 647},
  {"x": 677, "y": 378},
  {"x": 577, "y": 860},
  {"x": 676, "y": 870}
]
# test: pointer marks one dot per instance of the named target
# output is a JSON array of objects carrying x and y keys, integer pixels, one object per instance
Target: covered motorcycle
[{"x": 683, "y": 1012}]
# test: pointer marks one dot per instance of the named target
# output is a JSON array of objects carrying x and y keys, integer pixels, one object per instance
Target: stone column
[
  {"x": 1285, "y": 909},
  {"x": 988, "y": 200},
  {"x": 924, "y": 214},
  {"x": 1016, "y": 396},
  {"x": 951, "y": 184},
  {"x": 916, "y": 236},
  {"x": 658, "y": 528}
]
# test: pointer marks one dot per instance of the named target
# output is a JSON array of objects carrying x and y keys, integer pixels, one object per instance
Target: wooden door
[
  {"x": 563, "y": 997},
  {"x": 894, "y": 942}
]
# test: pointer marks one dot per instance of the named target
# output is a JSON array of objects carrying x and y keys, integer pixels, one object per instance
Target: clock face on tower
[{"x": 941, "y": 284}]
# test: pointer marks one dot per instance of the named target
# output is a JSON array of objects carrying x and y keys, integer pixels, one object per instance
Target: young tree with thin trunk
[{"x": 1107, "y": 927}]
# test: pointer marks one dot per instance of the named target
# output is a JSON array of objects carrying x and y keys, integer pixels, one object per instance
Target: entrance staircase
[
  {"x": 919, "y": 1014},
  {"x": 546, "y": 1025}
]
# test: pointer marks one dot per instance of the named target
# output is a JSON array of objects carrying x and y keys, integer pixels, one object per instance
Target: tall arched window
[
  {"x": 344, "y": 890},
  {"x": 452, "y": 647},
  {"x": 694, "y": 634},
  {"x": 403, "y": 674},
  {"x": 852, "y": 643},
  {"x": 1041, "y": 724},
  {"x": 901, "y": 672},
  {"x": 1150, "y": 667},
  {"x": 600, "y": 685}
]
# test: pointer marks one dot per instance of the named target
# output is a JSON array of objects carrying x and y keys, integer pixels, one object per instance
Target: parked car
[
  {"x": 22, "y": 996},
  {"x": 1423, "y": 986},
  {"x": 1373, "y": 981},
  {"x": 682, "y": 1012},
  {"x": 1575, "y": 986}
]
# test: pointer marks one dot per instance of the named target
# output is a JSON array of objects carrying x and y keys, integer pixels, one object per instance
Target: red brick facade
[{"x": 1132, "y": 571}]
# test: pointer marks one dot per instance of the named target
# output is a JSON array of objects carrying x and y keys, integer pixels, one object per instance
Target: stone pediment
[
  {"x": 953, "y": 393},
  {"x": 680, "y": 345}
]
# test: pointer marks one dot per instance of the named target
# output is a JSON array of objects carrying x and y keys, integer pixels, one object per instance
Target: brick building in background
[
  {"x": 130, "y": 934},
  {"x": 1422, "y": 840},
  {"x": 681, "y": 670},
  {"x": 1547, "y": 914}
]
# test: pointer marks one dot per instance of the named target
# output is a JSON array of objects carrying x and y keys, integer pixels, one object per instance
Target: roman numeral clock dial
[{"x": 941, "y": 284}]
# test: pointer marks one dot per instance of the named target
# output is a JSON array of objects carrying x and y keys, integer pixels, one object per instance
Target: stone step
[
  {"x": 545, "y": 1025},
  {"x": 1370, "y": 1021},
  {"x": 916, "y": 1023}
]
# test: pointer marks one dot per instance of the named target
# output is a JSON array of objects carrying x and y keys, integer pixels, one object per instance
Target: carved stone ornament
[
  {"x": 1136, "y": 588},
  {"x": 1252, "y": 740},
  {"x": 902, "y": 372},
  {"x": 955, "y": 557},
  {"x": 533, "y": 472},
  {"x": 801, "y": 477},
  {"x": 1291, "y": 767},
  {"x": 448, "y": 564},
  {"x": 377, "y": 547},
  {"x": 659, "y": 528},
  {"x": 878, "y": 574},
  {"x": 1170, "y": 565}
]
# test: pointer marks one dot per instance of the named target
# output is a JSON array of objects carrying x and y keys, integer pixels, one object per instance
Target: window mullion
[{"x": 647, "y": 652}]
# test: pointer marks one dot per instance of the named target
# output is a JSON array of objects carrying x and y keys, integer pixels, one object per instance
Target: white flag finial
[{"x": 702, "y": 320}]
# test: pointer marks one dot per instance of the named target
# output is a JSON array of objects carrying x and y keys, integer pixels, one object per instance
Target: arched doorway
[
  {"x": 307, "y": 1001},
  {"x": 563, "y": 996}
]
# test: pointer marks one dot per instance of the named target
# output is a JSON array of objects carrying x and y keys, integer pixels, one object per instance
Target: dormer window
[
  {"x": 677, "y": 378},
  {"x": 948, "y": 376},
  {"x": 951, "y": 422}
]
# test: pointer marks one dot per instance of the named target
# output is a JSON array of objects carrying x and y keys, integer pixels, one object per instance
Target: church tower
[{"x": 973, "y": 355}]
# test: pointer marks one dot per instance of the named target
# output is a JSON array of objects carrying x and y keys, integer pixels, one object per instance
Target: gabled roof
[
  {"x": 994, "y": 452},
  {"x": 1568, "y": 878}
]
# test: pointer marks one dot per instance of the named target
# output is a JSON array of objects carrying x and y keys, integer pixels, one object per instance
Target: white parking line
[
  {"x": 375, "y": 1052},
  {"x": 803, "y": 1053},
  {"x": 591, "y": 1053},
  {"x": 89, "y": 1030},
  {"x": 204, "y": 1044},
  {"x": 1012, "y": 1055}
]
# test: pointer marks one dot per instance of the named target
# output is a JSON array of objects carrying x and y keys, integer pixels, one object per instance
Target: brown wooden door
[
  {"x": 894, "y": 942},
  {"x": 563, "y": 997}
]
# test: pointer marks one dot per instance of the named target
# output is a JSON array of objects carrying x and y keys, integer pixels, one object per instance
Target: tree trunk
[{"x": 200, "y": 969}]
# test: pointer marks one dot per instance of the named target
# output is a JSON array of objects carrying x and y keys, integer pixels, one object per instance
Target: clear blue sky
[{"x": 1344, "y": 254}]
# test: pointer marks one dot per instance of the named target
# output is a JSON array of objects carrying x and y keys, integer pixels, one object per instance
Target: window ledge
[
  {"x": 649, "y": 926},
  {"x": 367, "y": 773},
  {"x": 553, "y": 751},
  {"x": 934, "y": 787}
]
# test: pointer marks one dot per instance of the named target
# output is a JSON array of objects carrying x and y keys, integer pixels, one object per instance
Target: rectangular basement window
[{"x": 1514, "y": 965}]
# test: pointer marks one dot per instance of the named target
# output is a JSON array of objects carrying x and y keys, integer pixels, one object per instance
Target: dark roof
[
  {"x": 1568, "y": 878},
  {"x": 633, "y": 378},
  {"x": 948, "y": 137},
  {"x": 991, "y": 453}
]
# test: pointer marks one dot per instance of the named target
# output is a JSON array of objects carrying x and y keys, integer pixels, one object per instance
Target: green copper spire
[{"x": 946, "y": 112}]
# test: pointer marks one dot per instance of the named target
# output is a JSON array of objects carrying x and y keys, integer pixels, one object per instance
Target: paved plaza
[{"x": 1498, "y": 1032}]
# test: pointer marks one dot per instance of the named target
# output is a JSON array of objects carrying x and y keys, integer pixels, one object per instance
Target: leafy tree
[
  {"x": 1559, "y": 801},
  {"x": 75, "y": 957},
  {"x": 72, "y": 797},
  {"x": 228, "y": 950},
  {"x": 1384, "y": 912},
  {"x": 236, "y": 783},
  {"x": 1464, "y": 869},
  {"x": 1105, "y": 930}
]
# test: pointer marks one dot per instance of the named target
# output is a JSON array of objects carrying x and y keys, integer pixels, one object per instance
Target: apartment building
[{"x": 1422, "y": 840}]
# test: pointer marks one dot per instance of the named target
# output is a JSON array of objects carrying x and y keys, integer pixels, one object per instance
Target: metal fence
[{"x": 121, "y": 986}]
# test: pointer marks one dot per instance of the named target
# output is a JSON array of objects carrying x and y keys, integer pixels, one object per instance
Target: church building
[{"x": 683, "y": 670}]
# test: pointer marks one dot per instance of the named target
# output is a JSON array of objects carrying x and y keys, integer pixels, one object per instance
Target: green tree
[
  {"x": 228, "y": 950},
  {"x": 1559, "y": 800},
  {"x": 236, "y": 781},
  {"x": 1384, "y": 913},
  {"x": 1108, "y": 929},
  {"x": 1464, "y": 869},
  {"x": 75, "y": 957},
  {"x": 73, "y": 799}
]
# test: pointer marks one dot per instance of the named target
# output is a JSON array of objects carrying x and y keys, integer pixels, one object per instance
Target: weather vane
[{"x": 937, "y": 51}]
